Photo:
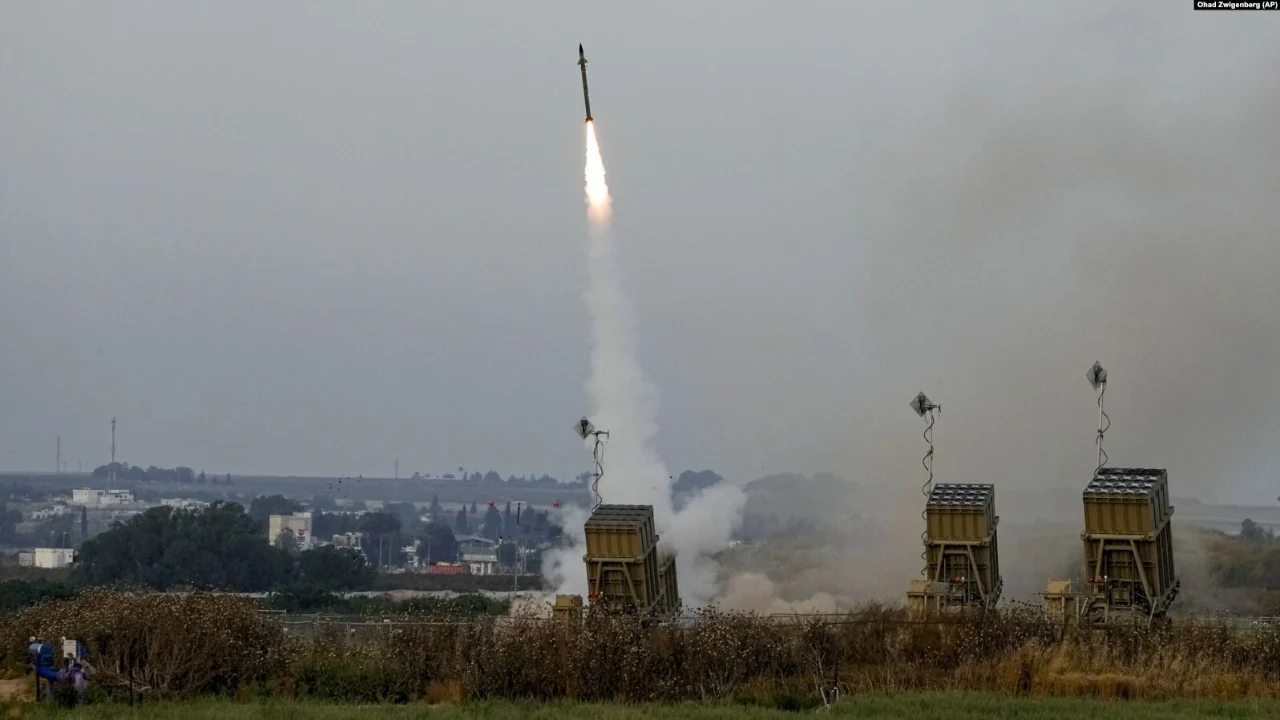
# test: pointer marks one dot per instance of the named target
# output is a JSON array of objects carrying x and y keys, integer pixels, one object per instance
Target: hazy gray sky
[{"x": 314, "y": 237}]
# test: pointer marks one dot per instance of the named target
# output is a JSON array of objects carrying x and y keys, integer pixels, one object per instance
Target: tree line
[
  {"x": 225, "y": 547},
  {"x": 218, "y": 548},
  {"x": 180, "y": 474}
]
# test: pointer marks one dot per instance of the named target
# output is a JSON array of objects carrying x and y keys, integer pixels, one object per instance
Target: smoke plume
[
  {"x": 1017, "y": 234},
  {"x": 625, "y": 403}
]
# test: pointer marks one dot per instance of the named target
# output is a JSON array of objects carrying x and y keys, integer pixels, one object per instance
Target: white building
[
  {"x": 351, "y": 540},
  {"x": 411, "y": 555},
  {"x": 88, "y": 497},
  {"x": 184, "y": 503},
  {"x": 298, "y": 523},
  {"x": 480, "y": 554},
  {"x": 93, "y": 497},
  {"x": 47, "y": 558},
  {"x": 481, "y": 562},
  {"x": 51, "y": 512}
]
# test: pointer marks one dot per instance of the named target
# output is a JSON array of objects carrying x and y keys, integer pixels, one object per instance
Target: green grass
[{"x": 924, "y": 706}]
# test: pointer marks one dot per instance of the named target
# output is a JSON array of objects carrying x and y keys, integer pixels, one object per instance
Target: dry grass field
[
  {"x": 198, "y": 645},
  {"x": 921, "y": 706}
]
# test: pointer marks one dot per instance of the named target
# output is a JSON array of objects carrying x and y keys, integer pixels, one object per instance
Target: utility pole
[
  {"x": 111, "y": 476},
  {"x": 520, "y": 535},
  {"x": 57, "y": 463},
  {"x": 397, "y": 469}
]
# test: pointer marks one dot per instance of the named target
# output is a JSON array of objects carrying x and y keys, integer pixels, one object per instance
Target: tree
[
  {"x": 332, "y": 568},
  {"x": 690, "y": 484},
  {"x": 381, "y": 531},
  {"x": 57, "y": 531},
  {"x": 435, "y": 510},
  {"x": 104, "y": 471},
  {"x": 215, "y": 548},
  {"x": 286, "y": 541},
  {"x": 264, "y": 506},
  {"x": 407, "y": 514},
  {"x": 492, "y": 527},
  {"x": 9, "y": 520},
  {"x": 1252, "y": 532},
  {"x": 325, "y": 525},
  {"x": 440, "y": 543},
  {"x": 201, "y": 479},
  {"x": 492, "y": 478},
  {"x": 460, "y": 522},
  {"x": 379, "y": 523},
  {"x": 507, "y": 555},
  {"x": 473, "y": 507}
]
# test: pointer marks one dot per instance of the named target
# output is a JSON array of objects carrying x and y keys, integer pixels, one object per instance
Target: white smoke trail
[{"x": 625, "y": 403}]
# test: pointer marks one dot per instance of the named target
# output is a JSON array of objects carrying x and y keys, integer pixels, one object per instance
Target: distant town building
[
  {"x": 410, "y": 555},
  {"x": 93, "y": 497},
  {"x": 183, "y": 503},
  {"x": 47, "y": 558},
  {"x": 480, "y": 555},
  {"x": 444, "y": 568},
  {"x": 297, "y": 523},
  {"x": 51, "y": 512},
  {"x": 347, "y": 540},
  {"x": 350, "y": 540}
]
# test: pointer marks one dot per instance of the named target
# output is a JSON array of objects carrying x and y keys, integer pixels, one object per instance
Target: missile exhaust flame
[{"x": 597, "y": 188}]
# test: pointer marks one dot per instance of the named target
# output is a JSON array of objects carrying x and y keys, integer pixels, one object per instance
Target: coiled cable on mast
[
  {"x": 927, "y": 462},
  {"x": 597, "y": 453},
  {"x": 1102, "y": 429}
]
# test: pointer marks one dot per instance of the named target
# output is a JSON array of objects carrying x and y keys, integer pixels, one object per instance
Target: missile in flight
[{"x": 582, "y": 63}]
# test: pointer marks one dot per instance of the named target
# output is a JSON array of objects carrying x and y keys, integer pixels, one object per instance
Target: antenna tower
[
  {"x": 926, "y": 409},
  {"x": 585, "y": 430},
  {"x": 111, "y": 476},
  {"x": 1097, "y": 377}
]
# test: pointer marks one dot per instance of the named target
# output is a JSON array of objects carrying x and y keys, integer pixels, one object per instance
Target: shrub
[
  {"x": 190, "y": 644},
  {"x": 171, "y": 644}
]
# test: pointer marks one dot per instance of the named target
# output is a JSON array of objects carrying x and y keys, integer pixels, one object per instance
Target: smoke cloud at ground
[{"x": 1046, "y": 219}]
